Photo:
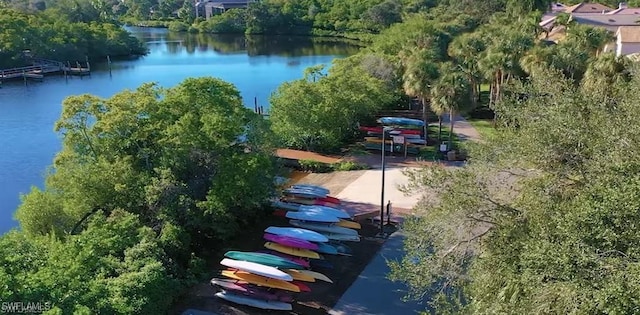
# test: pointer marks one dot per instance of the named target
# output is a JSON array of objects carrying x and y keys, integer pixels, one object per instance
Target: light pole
[{"x": 384, "y": 132}]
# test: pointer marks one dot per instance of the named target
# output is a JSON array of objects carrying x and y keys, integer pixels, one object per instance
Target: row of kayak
[{"x": 267, "y": 278}]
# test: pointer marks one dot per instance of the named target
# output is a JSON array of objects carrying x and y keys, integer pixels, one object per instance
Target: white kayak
[
  {"x": 323, "y": 227},
  {"x": 338, "y": 213},
  {"x": 302, "y": 234},
  {"x": 312, "y": 216},
  {"x": 319, "y": 189},
  {"x": 263, "y": 304},
  {"x": 258, "y": 269}
]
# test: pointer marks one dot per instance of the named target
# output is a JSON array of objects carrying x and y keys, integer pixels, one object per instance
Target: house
[
  {"x": 607, "y": 21},
  {"x": 208, "y": 8},
  {"x": 627, "y": 40}
]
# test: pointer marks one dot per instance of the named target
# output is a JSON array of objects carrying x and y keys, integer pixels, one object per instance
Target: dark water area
[{"x": 256, "y": 65}]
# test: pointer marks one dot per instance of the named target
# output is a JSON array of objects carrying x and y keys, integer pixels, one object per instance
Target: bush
[
  {"x": 319, "y": 167},
  {"x": 178, "y": 26}
]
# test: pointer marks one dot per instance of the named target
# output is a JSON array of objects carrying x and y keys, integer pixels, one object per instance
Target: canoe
[
  {"x": 292, "y": 250},
  {"x": 311, "y": 187},
  {"x": 336, "y": 212},
  {"x": 258, "y": 269},
  {"x": 264, "y": 259},
  {"x": 298, "y": 260},
  {"x": 245, "y": 288},
  {"x": 316, "y": 275},
  {"x": 299, "y": 276},
  {"x": 314, "y": 216},
  {"x": 285, "y": 205},
  {"x": 402, "y": 131},
  {"x": 301, "y": 286},
  {"x": 263, "y": 304},
  {"x": 400, "y": 121},
  {"x": 323, "y": 227},
  {"x": 349, "y": 224},
  {"x": 342, "y": 237},
  {"x": 260, "y": 280},
  {"x": 290, "y": 241},
  {"x": 302, "y": 234},
  {"x": 325, "y": 248}
]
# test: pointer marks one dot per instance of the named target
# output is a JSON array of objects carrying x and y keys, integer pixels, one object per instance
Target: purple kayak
[
  {"x": 297, "y": 260},
  {"x": 252, "y": 290},
  {"x": 290, "y": 241}
]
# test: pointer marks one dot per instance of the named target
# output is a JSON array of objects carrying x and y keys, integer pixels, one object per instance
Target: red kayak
[
  {"x": 402, "y": 131},
  {"x": 303, "y": 287}
]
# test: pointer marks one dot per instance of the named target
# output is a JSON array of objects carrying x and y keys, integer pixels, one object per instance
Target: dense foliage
[
  {"x": 153, "y": 172},
  {"x": 541, "y": 220},
  {"x": 53, "y": 36}
]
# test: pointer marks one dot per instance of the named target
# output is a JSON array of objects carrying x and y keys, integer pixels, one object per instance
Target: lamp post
[{"x": 384, "y": 132}]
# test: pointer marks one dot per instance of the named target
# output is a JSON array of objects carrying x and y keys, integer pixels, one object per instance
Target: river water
[{"x": 256, "y": 65}]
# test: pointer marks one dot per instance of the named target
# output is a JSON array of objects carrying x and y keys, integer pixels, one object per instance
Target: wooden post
[
  {"x": 405, "y": 148},
  {"x": 24, "y": 76},
  {"x": 109, "y": 63},
  {"x": 255, "y": 104}
]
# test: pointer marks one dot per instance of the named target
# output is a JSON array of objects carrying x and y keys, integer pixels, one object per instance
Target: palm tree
[
  {"x": 451, "y": 94},
  {"x": 420, "y": 71},
  {"x": 466, "y": 50},
  {"x": 604, "y": 74}
]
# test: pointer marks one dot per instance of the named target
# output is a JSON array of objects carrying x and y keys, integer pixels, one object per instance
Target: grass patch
[
  {"x": 484, "y": 87},
  {"x": 484, "y": 127}
]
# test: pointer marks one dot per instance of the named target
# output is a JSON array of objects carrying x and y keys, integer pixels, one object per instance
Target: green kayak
[{"x": 263, "y": 258}]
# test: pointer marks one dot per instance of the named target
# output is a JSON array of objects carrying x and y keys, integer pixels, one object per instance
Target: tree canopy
[{"x": 154, "y": 171}]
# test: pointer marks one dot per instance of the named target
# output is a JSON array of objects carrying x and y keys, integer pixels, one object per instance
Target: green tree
[
  {"x": 450, "y": 94},
  {"x": 421, "y": 70},
  {"x": 540, "y": 220},
  {"x": 333, "y": 105}
]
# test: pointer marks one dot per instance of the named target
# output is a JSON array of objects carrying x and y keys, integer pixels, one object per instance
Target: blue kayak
[
  {"x": 327, "y": 249},
  {"x": 400, "y": 121}
]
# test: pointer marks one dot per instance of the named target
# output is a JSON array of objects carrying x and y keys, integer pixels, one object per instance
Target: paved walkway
[
  {"x": 372, "y": 293},
  {"x": 462, "y": 128}
]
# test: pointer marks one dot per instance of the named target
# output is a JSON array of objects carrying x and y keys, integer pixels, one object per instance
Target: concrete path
[
  {"x": 462, "y": 128},
  {"x": 368, "y": 187},
  {"x": 372, "y": 293}
]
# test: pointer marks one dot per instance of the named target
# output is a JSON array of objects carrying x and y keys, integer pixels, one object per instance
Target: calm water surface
[{"x": 256, "y": 65}]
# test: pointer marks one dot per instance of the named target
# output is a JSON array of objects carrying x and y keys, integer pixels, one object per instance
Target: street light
[{"x": 384, "y": 131}]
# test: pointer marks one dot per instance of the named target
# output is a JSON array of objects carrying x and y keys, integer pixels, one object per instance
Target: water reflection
[{"x": 255, "y": 45}]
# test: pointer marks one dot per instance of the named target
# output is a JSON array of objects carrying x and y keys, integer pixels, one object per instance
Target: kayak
[
  {"x": 323, "y": 227},
  {"x": 251, "y": 290},
  {"x": 319, "y": 189},
  {"x": 264, "y": 259},
  {"x": 303, "y": 234},
  {"x": 290, "y": 241},
  {"x": 255, "y": 268},
  {"x": 260, "y": 280},
  {"x": 292, "y": 251},
  {"x": 249, "y": 301},
  {"x": 378, "y": 130},
  {"x": 400, "y": 121}
]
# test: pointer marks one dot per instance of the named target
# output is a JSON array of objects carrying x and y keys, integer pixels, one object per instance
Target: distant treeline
[{"x": 60, "y": 33}]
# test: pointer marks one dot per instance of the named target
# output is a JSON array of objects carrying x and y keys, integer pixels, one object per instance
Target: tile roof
[{"x": 629, "y": 34}]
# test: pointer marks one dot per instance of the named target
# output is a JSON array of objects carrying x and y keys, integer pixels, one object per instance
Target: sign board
[{"x": 398, "y": 139}]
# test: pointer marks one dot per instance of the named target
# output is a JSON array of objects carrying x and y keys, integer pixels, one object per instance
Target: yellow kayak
[
  {"x": 260, "y": 280},
  {"x": 292, "y": 251},
  {"x": 313, "y": 274},
  {"x": 349, "y": 224},
  {"x": 300, "y": 276}
]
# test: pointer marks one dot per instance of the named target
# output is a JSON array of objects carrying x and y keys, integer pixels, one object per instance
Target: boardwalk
[{"x": 42, "y": 67}]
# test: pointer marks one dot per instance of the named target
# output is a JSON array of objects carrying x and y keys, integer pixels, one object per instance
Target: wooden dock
[{"x": 42, "y": 67}]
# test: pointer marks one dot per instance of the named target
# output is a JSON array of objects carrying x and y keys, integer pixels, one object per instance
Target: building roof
[
  {"x": 558, "y": 7},
  {"x": 588, "y": 8},
  {"x": 624, "y": 11},
  {"x": 606, "y": 20},
  {"x": 629, "y": 34}
]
